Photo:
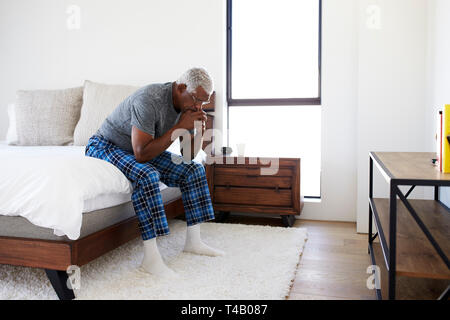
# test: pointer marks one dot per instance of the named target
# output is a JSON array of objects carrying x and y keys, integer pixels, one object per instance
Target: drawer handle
[
  {"x": 228, "y": 187},
  {"x": 276, "y": 189}
]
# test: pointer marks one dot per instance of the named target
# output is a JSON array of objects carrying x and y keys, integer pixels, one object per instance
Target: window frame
[
  {"x": 268, "y": 102},
  {"x": 272, "y": 101}
]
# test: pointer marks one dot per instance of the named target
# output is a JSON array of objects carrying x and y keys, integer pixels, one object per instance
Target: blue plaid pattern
[{"x": 146, "y": 198}]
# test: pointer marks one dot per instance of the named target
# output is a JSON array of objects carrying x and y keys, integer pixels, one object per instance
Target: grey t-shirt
[{"x": 150, "y": 109}]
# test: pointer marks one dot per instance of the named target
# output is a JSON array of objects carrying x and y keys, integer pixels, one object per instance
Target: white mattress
[
  {"x": 105, "y": 201},
  {"x": 110, "y": 200}
]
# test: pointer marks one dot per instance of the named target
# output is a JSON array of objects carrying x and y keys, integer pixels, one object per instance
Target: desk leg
[
  {"x": 370, "y": 198},
  {"x": 392, "y": 239}
]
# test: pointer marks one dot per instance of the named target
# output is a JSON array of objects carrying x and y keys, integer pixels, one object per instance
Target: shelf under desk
[{"x": 416, "y": 257}]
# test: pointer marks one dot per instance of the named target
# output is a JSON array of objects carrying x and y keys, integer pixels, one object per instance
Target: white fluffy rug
[{"x": 260, "y": 263}]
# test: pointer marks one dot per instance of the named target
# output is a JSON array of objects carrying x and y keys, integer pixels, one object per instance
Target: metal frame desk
[{"x": 414, "y": 234}]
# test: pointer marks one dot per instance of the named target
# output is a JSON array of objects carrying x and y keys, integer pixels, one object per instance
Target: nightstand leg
[
  {"x": 288, "y": 220},
  {"x": 221, "y": 216}
]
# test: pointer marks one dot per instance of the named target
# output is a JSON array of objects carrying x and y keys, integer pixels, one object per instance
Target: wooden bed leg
[{"x": 58, "y": 279}]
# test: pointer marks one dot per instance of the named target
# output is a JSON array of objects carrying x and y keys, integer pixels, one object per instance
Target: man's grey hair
[{"x": 196, "y": 77}]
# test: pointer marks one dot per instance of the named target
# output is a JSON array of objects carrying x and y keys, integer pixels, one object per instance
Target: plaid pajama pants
[{"x": 145, "y": 177}]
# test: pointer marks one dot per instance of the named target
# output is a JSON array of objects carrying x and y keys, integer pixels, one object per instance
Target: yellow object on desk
[{"x": 445, "y": 142}]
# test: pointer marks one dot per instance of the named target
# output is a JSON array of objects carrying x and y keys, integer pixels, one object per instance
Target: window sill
[{"x": 312, "y": 200}]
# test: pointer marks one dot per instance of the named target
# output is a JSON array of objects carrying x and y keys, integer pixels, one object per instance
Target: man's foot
[
  {"x": 194, "y": 244},
  {"x": 153, "y": 262},
  {"x": 158, "y": 268},
  {"x": 199, "y": 247}
]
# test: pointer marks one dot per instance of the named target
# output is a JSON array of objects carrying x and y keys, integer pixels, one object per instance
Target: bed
[
  {"x": 59, "y": 208},
  {"x": 29, "y": 237}
]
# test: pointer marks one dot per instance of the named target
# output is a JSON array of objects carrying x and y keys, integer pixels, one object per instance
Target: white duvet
[
  {"x": 53, "y": 186},
  {"x": 49, "y": 185}
]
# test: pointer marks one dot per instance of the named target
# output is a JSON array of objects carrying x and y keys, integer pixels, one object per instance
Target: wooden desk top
[{"x": 408, "y": 166}]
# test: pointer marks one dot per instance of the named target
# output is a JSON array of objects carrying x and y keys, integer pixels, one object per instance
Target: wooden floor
[
  {"x": 334, "y": 261},
  {"x": 333, "y": 264}
]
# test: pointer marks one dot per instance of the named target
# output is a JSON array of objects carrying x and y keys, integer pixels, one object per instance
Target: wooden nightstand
[{"x": 237, "y": 185}]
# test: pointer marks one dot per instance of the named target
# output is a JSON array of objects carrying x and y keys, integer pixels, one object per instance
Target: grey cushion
[{"x": 47, "y": 117}]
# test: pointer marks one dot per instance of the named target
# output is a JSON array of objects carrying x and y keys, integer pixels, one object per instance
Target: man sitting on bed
[{"x": 134, "y": 138}]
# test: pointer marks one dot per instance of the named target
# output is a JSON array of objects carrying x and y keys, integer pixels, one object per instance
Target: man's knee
[
  {"x": 196, "y": 169},
  {"x": 148, "y": 175}
]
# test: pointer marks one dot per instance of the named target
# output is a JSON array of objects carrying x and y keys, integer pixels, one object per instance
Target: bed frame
[{"x": 56, "y": 256}]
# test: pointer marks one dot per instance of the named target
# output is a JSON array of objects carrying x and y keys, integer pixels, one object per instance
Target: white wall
[
  {"x": 439, "y": 71},
  {"x": 373, "y": 99},
  {"x": 391, "y": 89},
  {"x": 138, "y": 42},
  {"x": 369, "y": 80},
  {"x": 339, "y": 108},
  {"x": 439, "y": 63},
  {"x": 125, "y": 42}
]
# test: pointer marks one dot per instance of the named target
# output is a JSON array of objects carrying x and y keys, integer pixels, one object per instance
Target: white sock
[
  {"x": 195, "y": 245},
  {"x": 153, "y": 262}
]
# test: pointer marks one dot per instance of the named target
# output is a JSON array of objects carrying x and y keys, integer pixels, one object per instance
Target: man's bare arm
[{"x": 146, "y": 147}]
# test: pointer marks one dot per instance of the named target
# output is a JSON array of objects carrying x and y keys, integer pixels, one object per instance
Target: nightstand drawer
[
  {"x": 250, "y": 171},
  {"x": 253, "y": 196},
  {"x": 253, "y": 181}
]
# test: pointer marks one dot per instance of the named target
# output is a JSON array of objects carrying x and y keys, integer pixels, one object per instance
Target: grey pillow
[{"x": 47, "y": 117}]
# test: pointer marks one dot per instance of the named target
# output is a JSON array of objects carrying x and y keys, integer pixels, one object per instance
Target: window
[{"x": 273, "y": 82}]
